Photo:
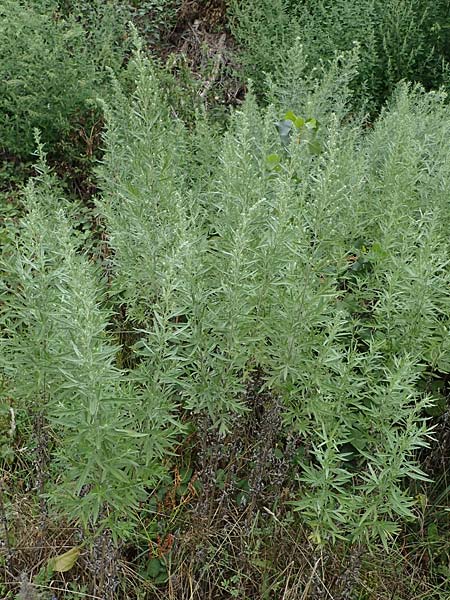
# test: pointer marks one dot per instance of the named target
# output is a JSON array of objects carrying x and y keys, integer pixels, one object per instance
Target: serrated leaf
[{"x": 64, "y": 562}]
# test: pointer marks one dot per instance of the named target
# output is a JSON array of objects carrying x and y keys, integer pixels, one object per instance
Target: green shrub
[
  {"x": 312, "y": 258},
  {"x": 265, "y": 31},
  {"x": 51, "y": 70},
  {"x": 298, "y": 259},
  {"x": 108, "y": 434},
  {"x": 104, "y": 25},
  {"x": 397, "y": 40}
]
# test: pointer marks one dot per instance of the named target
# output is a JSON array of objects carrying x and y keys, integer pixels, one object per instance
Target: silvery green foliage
[
  {"x": 109, "y": 435},
  {"x": 320, "y": 270},
  {"x": 144, "y": 193}
]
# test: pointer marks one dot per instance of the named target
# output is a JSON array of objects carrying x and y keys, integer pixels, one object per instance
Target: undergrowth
[{"x": 396, "y": 40}]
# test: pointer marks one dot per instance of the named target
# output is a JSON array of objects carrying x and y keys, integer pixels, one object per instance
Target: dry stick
[
  {"x": 292, "y": 593},
  {"x": 4, "y": 520},
  {"x": 64, "y": 590},
  {"x": 287, "y": 570},
  {"x": 104, "y": 562},
  {"x": 310, "y": 580},
  {"x": 217, "y": 62}
]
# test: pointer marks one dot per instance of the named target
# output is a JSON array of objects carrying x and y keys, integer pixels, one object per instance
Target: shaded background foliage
[{"x": 396, "y": 40}]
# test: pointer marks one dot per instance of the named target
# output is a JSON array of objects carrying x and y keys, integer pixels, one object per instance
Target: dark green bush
[
  {"x": 397, "y": 39},
  {"x": 52, "y": 68}
]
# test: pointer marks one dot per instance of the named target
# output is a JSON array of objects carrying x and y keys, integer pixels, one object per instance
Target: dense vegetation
[{"x": 224, "y": 301}]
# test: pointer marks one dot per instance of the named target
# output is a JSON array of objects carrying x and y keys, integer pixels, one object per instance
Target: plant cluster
[
  {"x": 53, "y": 68},
  {"x": 311, "y": 273},
  {"x": 154, "y": 18},
  {"x": 396, "y": 40},
  {"x": 245, "y": 335},
  {"x": 104, "y": 430}
]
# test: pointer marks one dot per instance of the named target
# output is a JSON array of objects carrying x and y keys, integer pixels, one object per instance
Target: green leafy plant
[
  {"x": 395, "y": 40},
  {"x": 273, "y": 276},
  {"x": 109, "y": 434},
  {"x": 52, "y": 70},
  {"x": 291, "y": 285}
]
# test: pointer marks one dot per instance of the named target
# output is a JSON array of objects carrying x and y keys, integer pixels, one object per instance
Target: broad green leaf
[
  {"x": 298, "y": 121},
  {"x": 291, "y": 116},
  {"x": 433, "y": 533},
  {"x": 315, "y": 147},
  {"x": 154, "y": 567},
  {"x": 312, "y": 124}
]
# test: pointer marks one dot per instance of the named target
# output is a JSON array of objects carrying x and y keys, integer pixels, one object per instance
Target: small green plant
[
  {"x": 305, "y": 132},
  {"x": 154, "y": 18}
]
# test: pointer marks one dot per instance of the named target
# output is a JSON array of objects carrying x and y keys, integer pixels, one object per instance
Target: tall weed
[
  {"x": 107, "y": 434},
  {"x": 301, "y": 262}
]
